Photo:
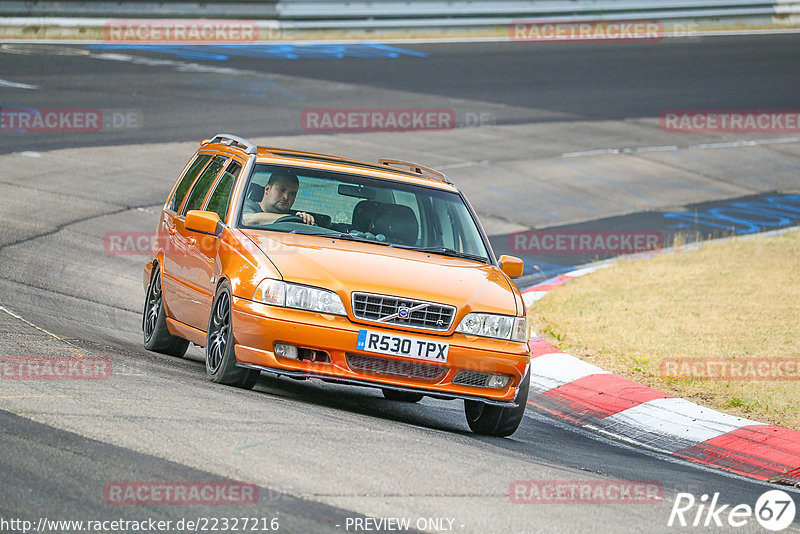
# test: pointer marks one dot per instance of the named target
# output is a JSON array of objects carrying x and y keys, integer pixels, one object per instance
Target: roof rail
[
  {"x": 427, "y": 172},
  {"x": 234, "y": 140}
]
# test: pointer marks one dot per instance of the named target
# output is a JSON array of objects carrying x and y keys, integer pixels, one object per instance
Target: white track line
[
  {"x": 670, "y": 148},
  {"x": 17, "y": 85}
]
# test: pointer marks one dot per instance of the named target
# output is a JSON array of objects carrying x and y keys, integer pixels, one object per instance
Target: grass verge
[{"x": 711, "y": 325}]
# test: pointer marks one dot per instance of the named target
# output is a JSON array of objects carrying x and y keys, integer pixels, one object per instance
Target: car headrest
[
  {"x": 398, "y": 223},
  {"x": 255, "y": 192},
  {"x": 364, "y": 215}
]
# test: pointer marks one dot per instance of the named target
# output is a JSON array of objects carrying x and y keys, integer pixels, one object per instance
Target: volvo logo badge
[{"x": 403, "y": 312}]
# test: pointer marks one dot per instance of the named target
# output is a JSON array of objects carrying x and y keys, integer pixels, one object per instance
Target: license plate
[{"x": 406, "y": 346}]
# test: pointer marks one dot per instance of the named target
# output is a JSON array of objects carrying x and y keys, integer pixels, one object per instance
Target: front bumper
[{"x": 258, "y": 326}]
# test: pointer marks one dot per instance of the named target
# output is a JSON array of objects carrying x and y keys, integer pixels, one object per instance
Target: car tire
[
  {"x": 497, "y": 421},
  {"x": 220, "y": 357},
  {"x": 154, "y": 321},
  {"x": 402, "y": 396}
]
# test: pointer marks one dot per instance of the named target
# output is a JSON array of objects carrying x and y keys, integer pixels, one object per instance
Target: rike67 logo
[{"x": 774, "y": 511}]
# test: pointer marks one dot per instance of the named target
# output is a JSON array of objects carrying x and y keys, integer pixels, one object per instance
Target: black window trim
[
  {"x": 227, "y": 158},
  {"x": 183, "y": 175},
  {"x": 217, "y": 180}
]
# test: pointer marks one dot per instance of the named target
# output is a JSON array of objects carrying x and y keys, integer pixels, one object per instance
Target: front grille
[
  {"x": 472, "y": 378},
  {"x": 385, "y": 366},
  {"x": 403, "y": 312}
]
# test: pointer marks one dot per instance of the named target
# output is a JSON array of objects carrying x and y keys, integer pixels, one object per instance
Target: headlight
[
  {"x": 309, "y": 298},
  {"x": 497, "y": 326}
]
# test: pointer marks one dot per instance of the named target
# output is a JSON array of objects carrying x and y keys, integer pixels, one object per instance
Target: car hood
[{"x": 347, "y": 266}]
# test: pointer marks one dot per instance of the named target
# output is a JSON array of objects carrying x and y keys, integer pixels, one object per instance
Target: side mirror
[
  {"x": 510, "y": 265},
  {"x": 204, "y": 222}
]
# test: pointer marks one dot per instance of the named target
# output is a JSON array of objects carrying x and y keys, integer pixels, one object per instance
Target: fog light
[
  {"x": 286, "y": 351},
  {"x": 497, "y": 381}
]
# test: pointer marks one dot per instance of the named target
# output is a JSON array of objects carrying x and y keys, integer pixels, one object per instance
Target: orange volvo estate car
[{"x": 313, "y": 266}]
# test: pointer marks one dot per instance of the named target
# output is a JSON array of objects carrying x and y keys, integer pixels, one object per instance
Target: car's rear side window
[
  {"x": 219, "y": 200},
  {"x": 187, "y": 180},
  {"x": 201, "y": 186}
]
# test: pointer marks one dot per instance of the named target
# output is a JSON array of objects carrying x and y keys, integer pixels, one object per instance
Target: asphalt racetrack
[{"x": 547, "y": 135}]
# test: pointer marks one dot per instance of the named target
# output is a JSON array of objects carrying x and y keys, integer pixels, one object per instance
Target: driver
[{"x": 279, "y": 195}]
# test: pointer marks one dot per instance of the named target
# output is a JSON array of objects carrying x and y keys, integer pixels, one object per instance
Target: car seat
[
  {"x": 255, "y": 192},
  {"x": 364, "y": 215},
  {"x": 398, "y": 223}
]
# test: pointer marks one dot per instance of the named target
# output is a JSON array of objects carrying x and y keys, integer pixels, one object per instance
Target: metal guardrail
[
  {"x": 342, "y": 16},
  {"x": 374, "y": 11},
  {"x": 338, "y": 9},
  {"x": 386, "y": 14},
  {"x": 244, "y": 9}
]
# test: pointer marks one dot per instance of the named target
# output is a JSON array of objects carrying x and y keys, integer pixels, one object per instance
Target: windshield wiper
[
  {"x": 345, "y": 236},
  {"x": 336, "y": 235},
  {"x": 446, "y": 251}
]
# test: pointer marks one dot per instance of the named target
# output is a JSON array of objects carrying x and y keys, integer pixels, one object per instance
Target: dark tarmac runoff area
[{"x": 569, "y": 152}]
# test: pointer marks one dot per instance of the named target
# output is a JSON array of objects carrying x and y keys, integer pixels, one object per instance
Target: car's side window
[
  {"x": 186, "y": 181},
  {"x": 219, "y": 200},
  {"x": 201, "y": 186}
]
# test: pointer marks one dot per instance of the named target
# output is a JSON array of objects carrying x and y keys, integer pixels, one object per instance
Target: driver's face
[{"x": 279, "y": 197}]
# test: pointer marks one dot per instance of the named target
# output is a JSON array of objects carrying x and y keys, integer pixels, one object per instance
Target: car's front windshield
[{"x": 360, "y": 208}]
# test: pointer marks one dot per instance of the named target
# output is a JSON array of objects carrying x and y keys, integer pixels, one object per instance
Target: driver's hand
[{"x": 307, "y": 217}]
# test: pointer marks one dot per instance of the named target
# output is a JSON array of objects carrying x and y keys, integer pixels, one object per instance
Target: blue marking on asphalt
[
  {"x": 363, "y": 50},
  {"x": 749, "y": 217},
  {"x": 395, "y": 50},
  {"x": 550, "y": 270},
  {"x": 185, "y": 52}
]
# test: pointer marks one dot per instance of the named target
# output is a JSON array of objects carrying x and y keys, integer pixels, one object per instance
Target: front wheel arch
[
  {"x": 220, "y": 361},
  {"x": 498, "y": 421}
]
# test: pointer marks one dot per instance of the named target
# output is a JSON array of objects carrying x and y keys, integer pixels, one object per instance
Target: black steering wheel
[{"x": 290, "y": 218}]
